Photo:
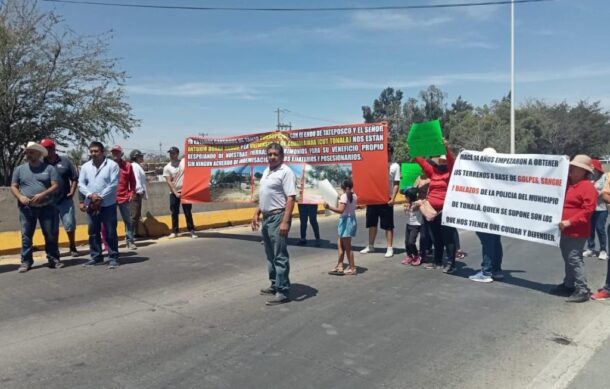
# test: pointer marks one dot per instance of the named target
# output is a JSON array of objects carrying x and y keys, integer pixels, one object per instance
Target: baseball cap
[
  {"x": 47, "y": 143},
  {"x": 597, "y": 165},
  {"x": 173, "y": 149},
  {"x": 117, "y": 148},
  {"x": 135, "y": 153}
]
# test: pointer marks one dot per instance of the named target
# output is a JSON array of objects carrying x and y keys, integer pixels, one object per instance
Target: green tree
[{"x": 55, "y": 83}]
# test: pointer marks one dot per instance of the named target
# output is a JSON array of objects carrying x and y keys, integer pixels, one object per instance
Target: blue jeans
[
  {"x": 107, "y": 217},
  {"x": 276, "y": 248},
  {"x": 598, "y": 224},
  {"x": 492, "y": 253},
  {"x": 125, "y": 210},
  {"x": 28, "y": 217}
]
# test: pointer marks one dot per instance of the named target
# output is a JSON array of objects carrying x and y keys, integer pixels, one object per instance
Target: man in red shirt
[
  {"x": 579, "y": 204},
  {"x": 125, "y": 192}
]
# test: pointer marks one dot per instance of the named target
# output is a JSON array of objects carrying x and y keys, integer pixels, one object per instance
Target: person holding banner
[
  {"x": 278, "y": 190},
  {"x": 439, "y": 169},
  {"x": 604, "y": 293},
  {"x": 598, "y": 221},
  {"x": 383, "y": 214},
  {"x": 579, "y": 204},
  {"x": 173, "y": 173},
  {"x": 491, "y": 267}
]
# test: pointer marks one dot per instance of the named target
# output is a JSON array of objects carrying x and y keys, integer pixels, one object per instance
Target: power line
[
  {"x": 293, "y": 113},
  {"x": 294, "y": 9}
]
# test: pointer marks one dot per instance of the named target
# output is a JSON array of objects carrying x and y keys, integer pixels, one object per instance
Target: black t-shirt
[{"x": 67, "y": 174}]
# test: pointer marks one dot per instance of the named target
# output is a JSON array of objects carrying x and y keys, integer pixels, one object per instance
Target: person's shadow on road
[
  {"x": 300, "y": 292},
  {"x": 466, "y": 272}
]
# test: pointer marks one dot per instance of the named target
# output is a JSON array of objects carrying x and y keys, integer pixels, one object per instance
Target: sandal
[
  {"x": 351, "y": 272},
  {"x": 336, "y": 272}
]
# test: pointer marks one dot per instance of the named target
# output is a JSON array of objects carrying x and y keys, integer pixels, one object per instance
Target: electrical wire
[{"x": 294, "y": 9}]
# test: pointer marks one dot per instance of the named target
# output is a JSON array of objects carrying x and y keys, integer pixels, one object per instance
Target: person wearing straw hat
[
  {"x": 579, "y": 204},
  {"x": 598, "y": 221},
  {"x": 33, "y": 185}
]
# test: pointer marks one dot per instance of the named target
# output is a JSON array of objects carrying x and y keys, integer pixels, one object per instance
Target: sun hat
[
  {"x": 37, "y": 147},
  {"x": 582, "y": 161},
  {"x": 489, "y": 151}
]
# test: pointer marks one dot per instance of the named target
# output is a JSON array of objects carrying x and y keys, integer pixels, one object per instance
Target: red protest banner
[{"x": 229, "y": 169}]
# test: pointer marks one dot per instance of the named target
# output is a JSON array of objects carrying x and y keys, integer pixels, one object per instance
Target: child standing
[
  {"x": 346, "y": 229},
  {"x": 414, "y": 223}
]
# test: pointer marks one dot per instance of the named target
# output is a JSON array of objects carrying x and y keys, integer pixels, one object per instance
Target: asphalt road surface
[{"x": 186, "y": 313}]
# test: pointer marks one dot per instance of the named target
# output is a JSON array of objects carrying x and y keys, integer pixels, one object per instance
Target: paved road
[{"x": 187, "y": 314}]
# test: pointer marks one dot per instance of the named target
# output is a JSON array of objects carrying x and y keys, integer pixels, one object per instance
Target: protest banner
[
  {"x": 515, "y": 195},
  {"x": 426, "y": 139},
  {"x": 229, "y": 169},
  {"x": 409, "y": 171}
]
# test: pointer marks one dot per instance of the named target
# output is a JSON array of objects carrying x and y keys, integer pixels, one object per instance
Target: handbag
[{"x": 428, "y": 211}]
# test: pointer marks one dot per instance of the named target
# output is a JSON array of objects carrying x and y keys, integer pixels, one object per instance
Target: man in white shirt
[
  {"x": 383, "y": 214},
  {"x": 174, "y": 176},
  {"x": 277, "y": 198},
  {"x": 137, "y": 158}
]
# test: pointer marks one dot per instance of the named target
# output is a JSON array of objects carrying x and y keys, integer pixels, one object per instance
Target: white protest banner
[{"x": 515, "y": 195}]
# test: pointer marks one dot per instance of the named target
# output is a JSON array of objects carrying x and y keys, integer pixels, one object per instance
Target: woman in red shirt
[
  {"x": 439, "y": 171},
  {"x": 579, "y": 204}
]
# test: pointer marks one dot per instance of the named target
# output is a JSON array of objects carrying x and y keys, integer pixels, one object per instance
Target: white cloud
[
  {"x": 194, "y": 89},
  {"x": 393, "y": 20}
]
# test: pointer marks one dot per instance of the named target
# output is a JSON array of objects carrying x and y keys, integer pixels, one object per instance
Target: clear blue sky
[{"x": 225, "y": 73}]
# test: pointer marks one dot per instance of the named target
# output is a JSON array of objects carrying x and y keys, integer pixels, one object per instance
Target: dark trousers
[
  {"x": 425, "y": 237},
  {"x": 444, "y": 240},
  {"x": 309, "y": 211},
  {"x": 105, "y": 217},
  {"x": 571, "y": 250},
  {"x": 29, "y": 217},
  {"x": 411, "y": 238},
  {"x": 492, "y": 253},
  {"x": 174, "y": 206},
  {"x": 135, "y": 211},
  {"x": 607, "y": 286},
  {"x": 598, "y": 225}
]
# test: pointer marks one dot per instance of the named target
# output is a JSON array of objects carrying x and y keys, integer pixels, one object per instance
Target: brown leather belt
[{"x": 272, "y": 213}]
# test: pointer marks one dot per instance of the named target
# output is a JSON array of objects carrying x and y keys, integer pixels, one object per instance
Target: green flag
[
  {"x": 426, "y": 139},
  {"x": 409, "y": 171}
]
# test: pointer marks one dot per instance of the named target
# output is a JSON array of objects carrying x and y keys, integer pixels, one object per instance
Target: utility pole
[
  {"x": 160, "y": 149},
  {"x": 282, "y": 126}
]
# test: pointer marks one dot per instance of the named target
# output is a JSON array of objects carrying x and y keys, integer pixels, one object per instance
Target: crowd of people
[
  {"x": 585, "y": 211},
  {"x": 45, "y": 185}
]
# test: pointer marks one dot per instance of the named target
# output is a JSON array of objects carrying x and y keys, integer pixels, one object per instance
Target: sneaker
[
  {"x": 408, "y": 260},
  {"x": 277, "y": 300},
  {"x": 431, "y": 266},
  {"x": 91, "y": 262},
  {"x": 579, "y": 297},
  {"x": 601, "y": 295},
  {"x": 24, "y": 268},
  {"x": 268, "y": 291},
  {"x": 302, "y": 242},
  {"x": 498, "y": 276},
  {"x": 367, "y": 249},
  {"x": 460, "y": 254},
  {"x": 172, "y": 235},
  {"x": 131, "y": 246},
  {"x": 194, "y": 235},
  {"x": 113, "y": 264},
  {"x": 561, "y": 290},
  {"x": 603, "y": 255},
  {"x": 55, "y": 264},
  {"x": 449, "y": 269},
  {"x": 480, "y": 277},
  {"x": 416, "y": 261},
  {"x": 74, "y": 252},
  {"x": 389, "y": 252},
  {"x": 588, "y": 253}
]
